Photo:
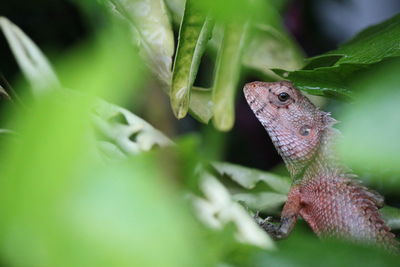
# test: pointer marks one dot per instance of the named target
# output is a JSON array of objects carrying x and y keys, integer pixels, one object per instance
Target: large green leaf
[
  {"x": 227, "y": 75},
  {"x": 371, "y": 125},
  {"x": 152, "y": 31},
  {"x": 62, "y": 205},
  {"x": 194, "y": 33},
  {"x": 331, "y": 74},
  {"x": 270, "y": 48}
]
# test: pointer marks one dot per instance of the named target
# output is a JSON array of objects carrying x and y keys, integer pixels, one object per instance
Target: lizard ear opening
[{"x": 305, "y": 130}]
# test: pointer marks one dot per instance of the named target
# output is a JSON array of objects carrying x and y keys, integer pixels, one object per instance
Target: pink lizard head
[{"x": 294, "y": 124}]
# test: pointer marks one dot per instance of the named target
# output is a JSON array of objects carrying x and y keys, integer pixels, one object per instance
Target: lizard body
[{"x": 324, "y": 192}]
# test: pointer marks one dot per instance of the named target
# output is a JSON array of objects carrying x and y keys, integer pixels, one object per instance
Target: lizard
[{"x": 324, "y": 192}]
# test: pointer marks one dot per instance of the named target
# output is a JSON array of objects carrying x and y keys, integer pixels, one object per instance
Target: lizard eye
[
  {"x": 283, "y": 97},
  {"x": 305, "y": 130}
]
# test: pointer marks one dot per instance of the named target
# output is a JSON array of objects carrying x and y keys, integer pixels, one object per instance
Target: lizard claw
[{"x": 267, "y": 225}]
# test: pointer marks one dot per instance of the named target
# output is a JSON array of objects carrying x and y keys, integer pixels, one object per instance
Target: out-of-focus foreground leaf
[
  {"x": 61, "y": 205},
  {"x": 30, "y": 59},
  {"x": 303, "y": 250},
  {"x": 371, "y": 125},
  {"x": 331, "y": 74},
  {"x": 217, "y": 209},
  {"x": 195, "y": 30}
]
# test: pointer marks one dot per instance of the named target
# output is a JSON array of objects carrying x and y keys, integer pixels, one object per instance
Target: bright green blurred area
[
  {"x": 62, "y": 204},
  {"x": 371, "y": 125}
]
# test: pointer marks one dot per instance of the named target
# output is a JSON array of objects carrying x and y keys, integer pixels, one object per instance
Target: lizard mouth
[
  {"x": 254, "y": 93},
  {"x": 250, "y": 92}
]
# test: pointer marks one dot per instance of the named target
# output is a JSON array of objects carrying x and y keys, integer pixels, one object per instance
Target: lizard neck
[{"x": 322, "y": 158}]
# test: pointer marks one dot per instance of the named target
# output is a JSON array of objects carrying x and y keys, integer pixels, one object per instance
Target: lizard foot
[{"x": 273, "y": 229}]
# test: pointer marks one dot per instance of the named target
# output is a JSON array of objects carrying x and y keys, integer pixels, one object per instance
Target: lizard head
[{"x": 294, "y": 124}]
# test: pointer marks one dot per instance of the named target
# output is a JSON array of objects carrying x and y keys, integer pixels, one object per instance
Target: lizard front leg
[{"x": 289, "y": 216}]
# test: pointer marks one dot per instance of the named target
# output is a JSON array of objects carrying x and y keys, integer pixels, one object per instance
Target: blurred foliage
[
  {"x": 374, "y": 119},
  {"x": 85, "y": 182}
]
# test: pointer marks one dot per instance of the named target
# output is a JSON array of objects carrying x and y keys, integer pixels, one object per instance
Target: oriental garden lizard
[{"x": 324, "y": 192}]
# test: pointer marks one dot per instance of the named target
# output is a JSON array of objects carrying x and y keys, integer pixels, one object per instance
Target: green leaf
[
  {"x": 152, "y": 30},
  {"x": 371, "y": 125},
  {"x": 131, "y": 134},
  {"x": 201, "y": 104},
  {"x": 3, "y": 93},
  {"x": 302, "y": 250},
  {"x": 258, "y": 190},
  {"x": 331, "y": 74},
  {"x": 227, "y": 75},
  {"x": 71, "y": 208},
  {"x": 270, "y": 48},
  {"x": 264, "y": 201},
  {"x": 372, "y": 44},
  {"x": 218, "y": 209},
  {"x": 30, "y": 59},
  {"x": 194, "y": 33},
  {"x": 249, "y": 178},
  {"x": 177, "y": 8}
]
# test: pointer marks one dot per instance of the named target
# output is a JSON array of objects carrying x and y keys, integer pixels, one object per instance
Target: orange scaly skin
[{"x": 323, "y": 193}]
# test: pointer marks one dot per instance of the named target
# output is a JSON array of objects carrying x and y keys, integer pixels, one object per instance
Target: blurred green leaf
[
  {"x": 152, "y": 32},
  {"x": 237, "y": 11},
  {"x": 263, "y": 201},
  {"x": 71, "y": 210},
  {"x": 218, "y": 209},
  {"x": 248, "y": 177},
  {"x": 305, "y": 251},
  {"x": 130, "y": 133},
  {"x": 131, "y": 136},
  {"x": 227, "y": 75},
  {"x": 391, "y": 216},
  {"x": 194, "y": 33},
  {"x": 331, "y": 74},
  {"x": 201, "y": 104},
  {"x": 3, "y": 93},
  {"x": 177, "y": 8},
  {"x": 61, "y": 205},
  {"x": 371, "y": 125},
  {"x": 270, "y": 48},
  {"x": 265, "y": 198},
  {"x": 30, "y": 59}
]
